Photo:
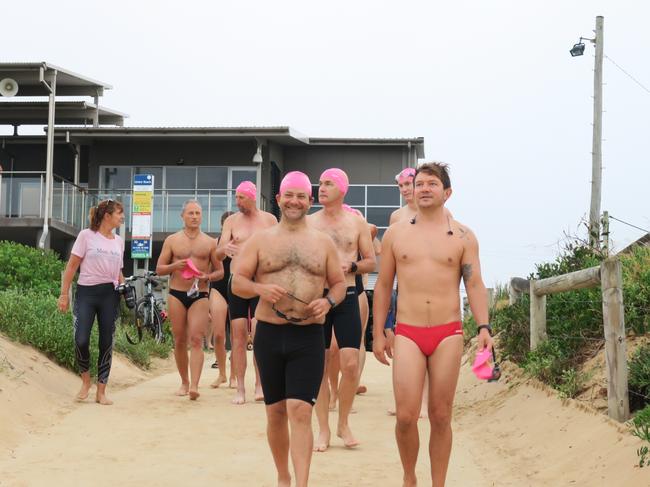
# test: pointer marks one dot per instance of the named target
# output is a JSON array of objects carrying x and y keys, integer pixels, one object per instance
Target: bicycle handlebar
[{"x": 149, "y": 276}]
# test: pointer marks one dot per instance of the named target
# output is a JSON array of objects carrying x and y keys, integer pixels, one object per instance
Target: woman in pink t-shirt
[{"x": 99, "y": 255}]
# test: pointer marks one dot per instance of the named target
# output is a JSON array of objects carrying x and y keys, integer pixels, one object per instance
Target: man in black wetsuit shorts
[
  {"x": 237, "y": 229},
  {"x": 291, "y": 264}
]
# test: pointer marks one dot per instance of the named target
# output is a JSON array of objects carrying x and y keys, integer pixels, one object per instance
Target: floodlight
[{"x": 577, "y": 49}]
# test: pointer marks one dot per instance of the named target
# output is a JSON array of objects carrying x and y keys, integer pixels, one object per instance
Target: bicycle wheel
[
  {"x": 142, "y": 314},
  {"x": 133, "y": 332},
  {"x": 155, "y": 327}
]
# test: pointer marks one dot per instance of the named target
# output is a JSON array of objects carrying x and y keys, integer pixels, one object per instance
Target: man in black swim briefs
[
  {"x": 188, "y": 307},
  {"x": 291, "y": 264}
]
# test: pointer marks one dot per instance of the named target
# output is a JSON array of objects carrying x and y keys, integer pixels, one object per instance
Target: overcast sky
[{"x": 489, "y": 84}]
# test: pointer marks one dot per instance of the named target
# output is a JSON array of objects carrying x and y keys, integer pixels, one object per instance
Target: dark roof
[
  {"x": 68, "y": 112},
  {"x": 29, "y": 77},
  {"x": 416, "y": 142},
  {"x": 282, "y": 134}
]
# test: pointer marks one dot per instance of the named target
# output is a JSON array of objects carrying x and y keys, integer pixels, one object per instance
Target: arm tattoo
[{"x": 467, "y": 272}]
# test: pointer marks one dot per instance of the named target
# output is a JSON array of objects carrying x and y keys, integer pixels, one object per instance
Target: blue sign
[
  {"x": 140, "y": 248},
  {"x": 142, "y": 179}
]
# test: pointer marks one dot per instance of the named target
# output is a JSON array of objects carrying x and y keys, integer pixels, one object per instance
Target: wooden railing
[{"x": 609, "y": 276}]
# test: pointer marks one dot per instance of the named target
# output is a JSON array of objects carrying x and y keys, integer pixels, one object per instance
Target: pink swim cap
[
  {"x": 405, "y": 174},
  {"x": 339, "y": 178},
  {"x": 296, "y": 180},
  {"x": 247, "y": 188},
  {"x": 190, "y": 271},
  {"x": 481, "y": 367}
]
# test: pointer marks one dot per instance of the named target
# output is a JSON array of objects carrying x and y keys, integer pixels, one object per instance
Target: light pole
[{"x": 596, "y": 145}]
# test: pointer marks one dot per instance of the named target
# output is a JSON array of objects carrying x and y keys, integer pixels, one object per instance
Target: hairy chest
[
  {"x": 344, "y": 236},
  {"x": 300, "y": 256}
]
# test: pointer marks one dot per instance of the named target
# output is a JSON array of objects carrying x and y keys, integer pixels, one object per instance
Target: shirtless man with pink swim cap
[
  {"x": 351, "y": 237},
  {"x": 429, "y": 253},
  {"x": 292, "y": 263},
  {"x": 237, "y": 229},
  {"x": 404, "y": 180},
  {"x": 188, "y": 310}
]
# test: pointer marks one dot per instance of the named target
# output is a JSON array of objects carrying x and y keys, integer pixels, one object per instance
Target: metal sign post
[{"x": 141, "y": 217}]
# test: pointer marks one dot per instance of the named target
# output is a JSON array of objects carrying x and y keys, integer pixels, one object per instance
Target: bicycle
[{"x": 149, "y": 312}]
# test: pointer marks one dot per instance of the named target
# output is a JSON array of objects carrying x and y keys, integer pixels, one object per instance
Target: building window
[
  {"x": 116, "y": 178},
  {"x": 376, "y": 202},
  {"x": 212, "y": 186}
]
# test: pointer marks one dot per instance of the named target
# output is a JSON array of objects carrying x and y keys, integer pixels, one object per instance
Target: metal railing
[
  {"x": 22, "y": 195},
  {"x": 168, "y": 203}
]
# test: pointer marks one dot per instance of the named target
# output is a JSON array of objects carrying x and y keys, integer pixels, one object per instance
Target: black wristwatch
[
  {"x": 330, "y": 301},
  {"x": 354, "y": 267},
  {"x": 488, "y": 327}
]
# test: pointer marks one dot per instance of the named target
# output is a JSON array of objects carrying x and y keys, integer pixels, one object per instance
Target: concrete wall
[{"x": 367, "y": 165}]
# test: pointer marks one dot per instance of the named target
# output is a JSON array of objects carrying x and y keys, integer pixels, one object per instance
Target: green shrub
[
  {"x": 575, "y": 321},
  {"x": 32, "y": 318},
  {"x": 640, "y": 426},
  {"x": 141, "y": 353},
  {"x": 513, "y": 325},
  {"x": 571, "y": 383},
  {"x": 636, "y": 289},
  {"x": 23, "y": 267},
  {"x": 639, "y": 377}
]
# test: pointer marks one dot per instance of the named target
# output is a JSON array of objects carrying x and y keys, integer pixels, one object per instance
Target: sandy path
[{"x": 504, "y": 436}]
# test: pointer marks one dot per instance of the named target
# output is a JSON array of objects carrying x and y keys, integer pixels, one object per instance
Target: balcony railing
[
  {"x": 22, "y": 195},
  {"x": 168, "y": 204}
]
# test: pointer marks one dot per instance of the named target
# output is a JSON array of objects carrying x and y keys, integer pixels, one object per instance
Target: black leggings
[{"x": 101, "y": 300}]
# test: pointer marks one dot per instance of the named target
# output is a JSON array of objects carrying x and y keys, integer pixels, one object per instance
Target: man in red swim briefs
[{"x": 429, "y": 253}]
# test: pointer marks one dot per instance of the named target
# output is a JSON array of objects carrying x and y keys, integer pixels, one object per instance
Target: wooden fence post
[
  {"x": 537, "y": 317},
  {"x": 513, "y": 295},
  {"x": 615, "y": 348},
  {"x": 517, "y": 287}
]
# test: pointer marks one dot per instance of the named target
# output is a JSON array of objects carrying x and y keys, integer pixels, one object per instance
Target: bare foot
[
  {"x": 332, "y": 404},
  {"x": 194, "y": 394},
  {"x": 346, "y": 435},
  {"x": 218, "y": 381},
  {"x": 183, "y": 390},
  {"x": 82, "y": 395},
  {"x": 233, "y": 383},
  {"x": 240, "y": 398},
  {"x": 362, "y": 389},
  {"x": 284, "y": 482},
  {"x": 259, "y": 394},
  {"x": 323, "y": 442},
  {"x": 103, "y": 400},
  {"x": 410, "y": 482}
]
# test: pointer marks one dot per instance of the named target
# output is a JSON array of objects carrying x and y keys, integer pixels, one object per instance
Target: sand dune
[{"x": 513, "y": 433}]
